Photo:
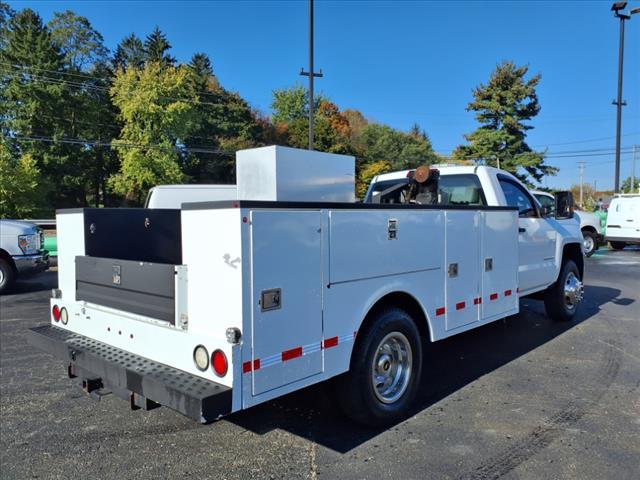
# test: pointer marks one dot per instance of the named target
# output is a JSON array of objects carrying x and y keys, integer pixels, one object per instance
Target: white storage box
[{"x": 289, "y": 174}]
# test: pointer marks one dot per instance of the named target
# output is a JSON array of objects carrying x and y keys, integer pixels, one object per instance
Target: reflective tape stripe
[
  {"x": 247, "y": 367},
  {"x": 440, "y": 311},
  {"x": 291, "y": 354},
  {"x": 477, "y": 300},
  {"x": 493, "y": 296},
  {"x": 507, "y": 293},
  {"x": 330, "y": 342},
  {"x": 460, "y": 305}
]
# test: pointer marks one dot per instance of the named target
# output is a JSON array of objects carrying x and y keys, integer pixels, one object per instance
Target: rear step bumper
[{"x": 101, "y": 365}]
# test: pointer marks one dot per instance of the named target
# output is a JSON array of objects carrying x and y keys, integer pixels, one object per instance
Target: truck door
[
  {"x": 287, "y": 297},
  {"x": 536, "y": 239},
  {"x": 462, "y": 269}
]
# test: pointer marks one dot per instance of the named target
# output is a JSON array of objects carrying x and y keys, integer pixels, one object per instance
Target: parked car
[
  {"x": 21, "y": 251},
  {"x": 623, "y": 221},
  {"x": 590, "y": 223}
]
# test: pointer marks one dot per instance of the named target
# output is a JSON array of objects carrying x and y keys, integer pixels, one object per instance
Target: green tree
[
  {"x": 626, "y": 185},
  {"x": 6, "y": 14},
  {"x": 157, "y": 106},
  {"x": 31, "y": 96},
  {"x": 19, "y": 197},
  {"x": 502, "y": 107},
  {"x": 156, "y": 48},
  {"x": 366, "y": 174},
  {"x": 129, "y": 52},
  {"x": 80, "y": 44},
  {"x": 402, "y": 150}
]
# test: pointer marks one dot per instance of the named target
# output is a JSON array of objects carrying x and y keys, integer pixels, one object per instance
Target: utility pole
[
  {"x": 619, "y": 103},
  {"x": 581, "y": 167},
  {"x": 633, "y": 171},
  {"x": 311, "y": 74}
]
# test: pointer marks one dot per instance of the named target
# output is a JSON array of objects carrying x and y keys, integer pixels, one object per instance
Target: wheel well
[
  {"x": 573, "y": 251},
  {"x": 5, "y": 256},
  {"x": 589, "y": 228},
  {"x": 405, "y": 302}
]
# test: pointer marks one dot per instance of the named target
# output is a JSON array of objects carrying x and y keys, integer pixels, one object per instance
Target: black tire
[
  {"x": 7, "y": 276},
  {"x": 356, "y": 391},
  {"x": 558, "y": 308},
  {"x": 617, "y": 245},
  {"x": 590, "y": 244}
]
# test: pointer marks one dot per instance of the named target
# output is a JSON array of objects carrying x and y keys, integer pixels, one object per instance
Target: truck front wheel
[
  {"x": 7, "y": 275},
  {"x": 385, "y": 370},
  {"x": 589, "y": 242},
  {"x": 561, "y": 300}
]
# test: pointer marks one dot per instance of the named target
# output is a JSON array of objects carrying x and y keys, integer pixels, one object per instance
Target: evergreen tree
[
  {"x": 156, "y": 48},
  {"x": 502, "y": 107},
  {"x": 129, "y": 52}
]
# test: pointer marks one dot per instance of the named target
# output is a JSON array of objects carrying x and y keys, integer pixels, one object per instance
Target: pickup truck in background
[
  {"x": 21, "y": 252},
  {"x": 218, "y": 306},
  {"x": 590, "y": 223}
]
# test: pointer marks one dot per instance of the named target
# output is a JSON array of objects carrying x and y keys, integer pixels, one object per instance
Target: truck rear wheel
[
  {"x": 7, "y": 276},
  {"x": 385, "y": 370},
  {"x": 617, "y": 245},
  {"x": 561, "y": 300}
]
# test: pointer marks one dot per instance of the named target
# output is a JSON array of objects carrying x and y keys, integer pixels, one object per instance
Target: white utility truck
[
  {"x": 623, "y": 221},
  {"x": 220, "y": 306},
  {"x": 173, "y": 196}
]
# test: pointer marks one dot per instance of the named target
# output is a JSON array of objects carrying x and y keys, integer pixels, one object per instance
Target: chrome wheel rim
[
  {"x": 391, "y": 367},
  {"x": 587, "y": 243},
  {"x": 573, "y": 291},
  {"x": 1, "y": 277}
]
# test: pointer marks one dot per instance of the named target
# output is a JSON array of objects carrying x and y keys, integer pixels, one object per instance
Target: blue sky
[{"x": 406, "y": 62}]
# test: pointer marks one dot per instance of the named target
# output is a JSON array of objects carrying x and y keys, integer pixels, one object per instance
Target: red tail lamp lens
[
  {"x": 219, "y": 363},
  {"x": 55, "y": 311}
]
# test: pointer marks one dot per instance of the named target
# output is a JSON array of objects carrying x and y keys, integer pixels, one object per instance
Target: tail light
[
  {"x": 201, "y": 358},
  {"x": 219, "y": 363},
  {"x": 55, "y": 311}
]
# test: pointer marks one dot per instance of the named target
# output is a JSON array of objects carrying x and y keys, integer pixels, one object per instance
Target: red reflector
[
  {"x": 246, "y": 366},
  {"x": 440, "y": 311},
  {"x": 460, "y": 305},
  {"x": 291, "y": 354},
  {"x": 477, "y": 301},
  {"x": 219, "y": 363},
  {"x": 330, "y": 342},
  {"x": 55, "y": 311},
  {"x": 494, "y": 296},
  {"x": 507, "y": 293}
]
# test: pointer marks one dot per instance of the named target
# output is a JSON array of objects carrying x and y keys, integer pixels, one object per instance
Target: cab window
[
  {"x": 516, "y": 196},
  {"x": 461, "y": 190}
]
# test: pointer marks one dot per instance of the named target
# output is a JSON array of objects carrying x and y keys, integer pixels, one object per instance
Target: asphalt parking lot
[{"x": 521, "y": 398}]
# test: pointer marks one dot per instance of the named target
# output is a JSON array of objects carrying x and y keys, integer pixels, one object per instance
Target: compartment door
[
  {"x": 286, "y": 297},
  {"x": 462, "y": 271}
]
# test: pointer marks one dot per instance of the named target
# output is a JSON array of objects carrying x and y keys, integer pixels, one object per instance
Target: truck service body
[{"x": 220, "y": 306}]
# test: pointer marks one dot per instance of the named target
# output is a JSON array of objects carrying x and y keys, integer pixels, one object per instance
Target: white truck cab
[
  {"x": 623, "y": 221},
  {"x": 219, "y": 306}
]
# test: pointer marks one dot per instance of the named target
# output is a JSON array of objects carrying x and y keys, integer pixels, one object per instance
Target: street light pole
[{"x": 619, "y": 103}]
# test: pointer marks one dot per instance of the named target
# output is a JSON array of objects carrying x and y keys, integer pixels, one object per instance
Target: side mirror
[{"x": 564, "y": 205}]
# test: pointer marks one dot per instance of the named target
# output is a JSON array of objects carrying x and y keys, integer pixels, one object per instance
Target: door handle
[{"x": 521, "y": 230}]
